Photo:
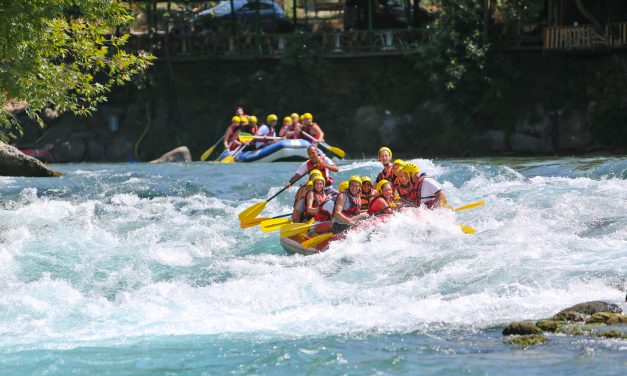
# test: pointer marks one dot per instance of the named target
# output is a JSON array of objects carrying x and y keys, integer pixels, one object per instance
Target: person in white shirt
[
  {"x": 318, "y": 161},
  {"x": 424, "y": 190},
  {"x": 268, "y": 130}
]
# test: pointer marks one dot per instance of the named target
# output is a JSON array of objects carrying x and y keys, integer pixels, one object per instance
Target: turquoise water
[{"x": 142, "y": 269}]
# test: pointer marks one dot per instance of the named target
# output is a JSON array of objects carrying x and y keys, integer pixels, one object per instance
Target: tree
[{"x": 61, "y": 53}]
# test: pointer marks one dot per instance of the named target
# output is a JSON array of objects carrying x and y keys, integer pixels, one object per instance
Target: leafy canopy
[{"x": 61, "y": 53}]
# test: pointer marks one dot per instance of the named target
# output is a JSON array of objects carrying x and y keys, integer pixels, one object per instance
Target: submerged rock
[
  {"x": 607, "y": 318},
  {"x": 15, "y": 163},
  {"x": 590, "y": 308},
  {"x": 613, "y": 334},
  {"x": 526, "y": 341},
  {"x": 180, "y": 154},
  {"x": 521, "y": 328},
  {"x": 549, "y": 325},
  {"x": 570, "y": 316}
]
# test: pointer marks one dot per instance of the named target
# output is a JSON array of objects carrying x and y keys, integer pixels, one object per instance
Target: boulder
[
  {"x": 549, "y": 325},
  {"x": 180, "y": 154},
  {"x": 590, "y": 308},
  {"x": 570, "y": 316},
  {"x": 15, "y": 163},
  {"x": 530, "y": 144},
  {"x": 607, "y": 318},
  {"x": 521, "y": 328},
  {"x": 575, "y": 131}
]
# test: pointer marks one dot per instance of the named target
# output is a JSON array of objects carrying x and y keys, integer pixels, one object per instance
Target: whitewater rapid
[{"x": 109, "y": 253}]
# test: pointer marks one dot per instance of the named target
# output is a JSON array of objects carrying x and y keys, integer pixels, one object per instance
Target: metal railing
[
  {"x": 584, "y": 37},
  {"x": 266, "y": 45}
]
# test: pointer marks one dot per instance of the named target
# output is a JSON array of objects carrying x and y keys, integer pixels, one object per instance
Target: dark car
[{"x": 245, "y": 13}]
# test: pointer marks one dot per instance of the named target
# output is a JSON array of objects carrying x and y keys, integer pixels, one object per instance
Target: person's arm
[
  {"x": 319, "y": 131},
  {"x": 227, "y": 135},
  {"x": 337, "y": 212},
  {"x": 310, "y": 209},
  {"x": 325, "y": 162},
  {"x": 440, "y": 199}
]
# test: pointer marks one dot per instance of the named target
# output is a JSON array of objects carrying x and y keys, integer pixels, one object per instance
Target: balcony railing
[{"x": 585, "y": 37}]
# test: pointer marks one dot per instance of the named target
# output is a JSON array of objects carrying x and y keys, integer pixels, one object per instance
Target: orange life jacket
[
  {"x": 378, "y": 206},
  {"x": 365, "y": 199}
]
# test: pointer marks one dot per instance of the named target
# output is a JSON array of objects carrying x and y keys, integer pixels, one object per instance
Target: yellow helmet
[
  {"x": 385, "y": 148},
  {"x": 252, "y": 118},
  {"x": 400, "y": 162},
  {"x": 314, "y": 172},
  {"x": 243, "y": 120},
  {"x": 318, "y": 177},
  {"x": 307, "y": 115},
  {"x": 271, "y": 117},
  {"x": 365, "y": 179},
  {"x": 235, "y": 119},
  {"x": 354, "y": 178},
  {"x": 343, "y": 186},
  {"x": 380, "y": 186},
  {"x": 294, "y": 114},
  {"x": 302, "y": 117},
  {"x": 309, "y": 184},
  {"x": 411, "y": 169},
  {"x": 288, "y": 119}
]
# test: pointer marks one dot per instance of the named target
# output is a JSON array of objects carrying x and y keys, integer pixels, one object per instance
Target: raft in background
[{"x": 280, "y": 151}]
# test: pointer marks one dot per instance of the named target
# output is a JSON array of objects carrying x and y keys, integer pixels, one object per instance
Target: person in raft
[
  {"x": 384, "y": 202},
  {"x": 346, "y": 211},
  {"x": 290, "y": 128},
  {"x": 311, "y": 128},
  {"x": 231, "y": 137},
  {"x": 367, "y": 192},
  {"x": 320, "y": 162},
  {"x": 248, "y": 125},
  {"x": 385, "y": 157},
  {"x": 300, "y": 197},
  {"x": 267, "y": 130},
  {"x": 423, "y": 190},
  {"x": 315, "y": 198}
]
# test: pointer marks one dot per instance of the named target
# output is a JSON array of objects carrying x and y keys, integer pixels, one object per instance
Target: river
[{"x": 133, "y": 269}]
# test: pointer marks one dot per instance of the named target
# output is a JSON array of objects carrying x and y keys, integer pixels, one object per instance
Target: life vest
[
  {"x": 406, "y": 192},
  {"x": 351, "y": 205},
  {"x": 365, "y": 199},
  {"x": 309, "y": 130},
  {"x": 328, "y": 179},
  {"x": 325, "y": 210},
  {"x": 389, "y": 176},
  {"x": 288, "y": 129},
  {"x": 414, "y": 194},
  {"x": 252, "y": 129},
  {"x": 426, "y": 201},
  {"x": 319, "y": 199},
  {"x": 377, "y": 206}
]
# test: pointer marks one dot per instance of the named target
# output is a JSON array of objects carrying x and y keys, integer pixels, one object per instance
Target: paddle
[
  {"x": 274, "y": 224},
  {"x": 333, "y": 149},
  {"x": 316, "y": 240},
  {"x": 208, "y": 152},
  {"x": 297, "y": 228},
  {"x": 249, "y": 137},
  {"x": 470, "y": 206},
  {"x": 256, "y": 221},
  {"x": 235, "y": 154},
  {"x": 254, "y": 210}
]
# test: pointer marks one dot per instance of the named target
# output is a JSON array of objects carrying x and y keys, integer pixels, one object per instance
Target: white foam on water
[{"x": 122, "y": 266}]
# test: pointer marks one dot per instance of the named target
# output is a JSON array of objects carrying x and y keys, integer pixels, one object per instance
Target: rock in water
[
  {"x": 590, "y": 308},
  {"x": 15, "y": 163},
  {"x": 521, "y": 328},
  {"x": 180, "y": 154}
]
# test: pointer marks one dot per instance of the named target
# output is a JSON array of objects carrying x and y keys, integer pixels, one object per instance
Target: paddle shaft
[
  {"x": 315, "y": 139},
  {"x": 210, "y": 150}
]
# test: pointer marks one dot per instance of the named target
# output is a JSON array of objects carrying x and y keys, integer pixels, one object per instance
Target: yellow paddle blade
[
  {"x": 316, "y": 240},
  {"x": 246, "y": 138},
  {"x": 470, "y": 206},
  {"x": 274, "y": 224},
  {"x": 207, "y": 153},
  {"x": 252, "y": 212},
  {"x": 228, "y": 159},
  {"x": 337, "y": 151},
  {"x": 253, "y": 222},
  {"x": 295, "y": 229},
  {"x": 467, "y": 229}
]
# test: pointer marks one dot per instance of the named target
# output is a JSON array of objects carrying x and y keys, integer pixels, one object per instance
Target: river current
[{"x": 133, "y": 269}]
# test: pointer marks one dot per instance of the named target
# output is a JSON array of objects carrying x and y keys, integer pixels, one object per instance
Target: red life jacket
[
  {"x": 252, "y": 129},
  {"x": 365, "y": 199},
  {"x": 354, "y": 204},
  {"x": 386, "y": 176},
  {"x": 235, "y": 129},
  {"x": 414, "y": 194},
  {"x": 309, "y": 130},
  {"x": 377, "y": 206},
  {"x": 288, "y": 129},
  {"x": 328, "y": 179},
  {"x": 406, "y": 192},
  {"x": 318, "y": 199}
]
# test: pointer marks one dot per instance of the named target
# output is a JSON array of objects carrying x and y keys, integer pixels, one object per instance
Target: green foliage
[{"x": 59, "y": 53}]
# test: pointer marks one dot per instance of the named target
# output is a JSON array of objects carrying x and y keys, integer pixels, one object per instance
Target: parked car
[{"x": 271, "y": 16}]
